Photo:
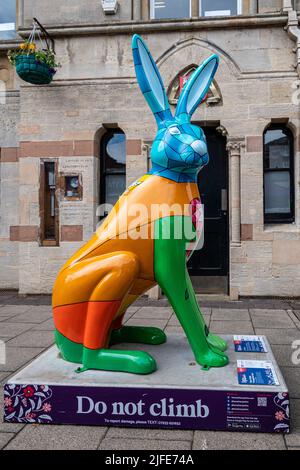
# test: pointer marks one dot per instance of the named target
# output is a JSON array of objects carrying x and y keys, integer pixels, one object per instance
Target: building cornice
[{"x": 192, "y": 24}]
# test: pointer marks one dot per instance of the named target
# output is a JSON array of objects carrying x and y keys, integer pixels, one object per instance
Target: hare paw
[
  {"x": 212, "y": 358},
  {"x": 136, "y": 362},
  {"x": 217, "y": 342}
]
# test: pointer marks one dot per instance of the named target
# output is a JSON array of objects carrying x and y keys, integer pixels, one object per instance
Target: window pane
[
  {"x": 116, "y": 153},
  {"x": 277, "y": 149},
  {"x": 219, "y": 7},
  {"x": 171, "y": 9},
  {"x": 49, "y": 201},
  {"x": 277, "y": 192},
  {"x": 115, "y": 185},
  {"x": 7, "y": 18}
]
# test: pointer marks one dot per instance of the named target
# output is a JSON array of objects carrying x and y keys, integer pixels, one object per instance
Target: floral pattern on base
[
  {"x": 282, "y": 414},
  {"x": 27, "y": 403}
]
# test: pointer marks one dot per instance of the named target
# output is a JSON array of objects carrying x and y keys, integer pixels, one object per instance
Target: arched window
[
  {"x": 113, "y": 166},
  {"x": 278, "y": 174}
]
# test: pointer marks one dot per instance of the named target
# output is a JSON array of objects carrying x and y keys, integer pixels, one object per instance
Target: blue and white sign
[
  {"x": 256, "y": 373},
  {"x": 250, "y": 343}
]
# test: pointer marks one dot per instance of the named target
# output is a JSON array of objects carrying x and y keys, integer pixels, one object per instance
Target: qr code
[{"x": 262, "y": 401}]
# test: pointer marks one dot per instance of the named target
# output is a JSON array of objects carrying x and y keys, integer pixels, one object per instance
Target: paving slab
[
  {"x": 3, "y": 319},
  {"x": 16, "y": 357},
  {"x": 11, "y": 329},
  {"x": 3, "y": 376},
  {"x": 264, "y": 321},
  {"x": 293, "y": 439},
  {"x": 35, "y": 339},
  {"x": 228, "y": 314},
  {"x": 173, "y": 321},
  {"x": 13, "y": 310},
  {"x": 292, "y": 378},
  {"x": 231, "y": 327},
  {"x": 47, "y": 325},
  {"x": 57, "y": 438},
  {"x": 143, "y": 444},
  {"x": 169, "y": 330},
  {"x": 297, "y": 314},
  {"x": 160, "y": 313},
  {"x": 5, "y": 437},
  {"x": 34, "y": 315},
  {"x": 210, "y": 440},
  {"x": 161, "y": 434},
  {"x": 270, "y": 313},
  {"x": 147, "y": 322},
  {"x": 279, "y": 336},
  {"x": 283, "y": 354},
  {"x": 133, "y": 309}
]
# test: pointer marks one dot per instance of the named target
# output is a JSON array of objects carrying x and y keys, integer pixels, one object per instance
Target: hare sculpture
[{"x": 128, "y": 254}]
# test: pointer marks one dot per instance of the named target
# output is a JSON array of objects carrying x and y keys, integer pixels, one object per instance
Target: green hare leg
[
  {"x": 138, "y": 334},
  {"x": 172, "y": 276},
  {"x": 214, "y": 340},
  {"x": 136, "y": 362}
]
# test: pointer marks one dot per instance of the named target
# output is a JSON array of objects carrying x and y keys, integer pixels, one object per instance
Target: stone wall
[
  {"x": 96, "y": 86},
  {"x": 9, "y": 174},
  {"x": 74, "y": 12},
  {"x": 269, "y": 6},
  {"x": 71, "y": 12}
]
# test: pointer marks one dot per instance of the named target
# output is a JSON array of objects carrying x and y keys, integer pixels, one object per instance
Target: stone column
[{"x": 234, "y": 147}]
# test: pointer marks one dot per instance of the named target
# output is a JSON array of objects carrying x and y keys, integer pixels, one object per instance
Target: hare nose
[{"x": 199, "y": 147}]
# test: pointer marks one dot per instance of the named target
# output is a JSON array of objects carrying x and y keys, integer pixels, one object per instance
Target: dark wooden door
[{"x": 212, "y": 259}]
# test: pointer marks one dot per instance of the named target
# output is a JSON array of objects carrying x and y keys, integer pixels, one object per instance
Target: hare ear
[
  {"x": 197, "y": 86},
  {"x": 150, "y": 81}
]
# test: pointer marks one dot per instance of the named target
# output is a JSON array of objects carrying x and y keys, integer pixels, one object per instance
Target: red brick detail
[
  {"x": 254, "y": 144},
  {"x": 62, "y": 148},
  {"x": 9, "y": 154},
  {"x": 83, "y": 148},
  {"x": 71, "y": 233},
  {"x": 246, "y": 232},
  {"x": 133, "y": 147},
  {"x": 23, "y": 233}
]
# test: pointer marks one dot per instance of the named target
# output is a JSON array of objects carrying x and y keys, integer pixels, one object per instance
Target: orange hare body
[{"x": 98, "y": 274}]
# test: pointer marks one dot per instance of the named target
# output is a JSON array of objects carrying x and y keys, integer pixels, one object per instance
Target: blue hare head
[{"x": 179, "y": 150}]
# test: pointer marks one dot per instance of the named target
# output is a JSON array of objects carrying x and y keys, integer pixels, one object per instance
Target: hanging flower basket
[
  {"x": 32, "y": 70},
  {"x": 34, "y": 65}
]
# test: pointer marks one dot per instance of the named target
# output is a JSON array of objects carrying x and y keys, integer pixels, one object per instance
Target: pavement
[{"x": 27, "y": 329}]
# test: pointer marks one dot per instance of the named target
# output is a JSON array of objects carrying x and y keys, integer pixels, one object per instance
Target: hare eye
[{"x": 174, "y": 130}]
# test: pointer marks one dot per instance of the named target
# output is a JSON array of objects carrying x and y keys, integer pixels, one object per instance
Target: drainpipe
[{"x": 293, "y": 29}]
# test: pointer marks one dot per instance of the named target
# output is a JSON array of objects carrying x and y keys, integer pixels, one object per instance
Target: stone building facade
[{"x": 95, "y": 91}]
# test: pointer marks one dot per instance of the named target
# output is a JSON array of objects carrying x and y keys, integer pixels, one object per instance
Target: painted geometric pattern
[
  {"x": 179, "y": 152},
  {"x": 150, "y": 81}
]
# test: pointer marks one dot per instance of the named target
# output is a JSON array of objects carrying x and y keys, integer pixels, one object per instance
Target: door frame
[{"x": 218, "y": 128}]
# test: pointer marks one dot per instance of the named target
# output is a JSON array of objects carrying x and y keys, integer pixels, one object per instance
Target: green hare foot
[
  {"x": 136, "y": 362},
  {"x": 212, "y": 358},
  {"x": 217, "y": 342},
  {"x": 138, "y": 334}
]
